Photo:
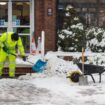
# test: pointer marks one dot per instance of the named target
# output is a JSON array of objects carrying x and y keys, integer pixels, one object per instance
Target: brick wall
[
  {"x": 39, "y": 17},
  {"x": 46, "y": 23}
]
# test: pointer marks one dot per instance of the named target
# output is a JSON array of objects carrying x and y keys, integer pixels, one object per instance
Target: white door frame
[
  {"x": 9, "y": 27},
  {"x": 32, "y": 31}
]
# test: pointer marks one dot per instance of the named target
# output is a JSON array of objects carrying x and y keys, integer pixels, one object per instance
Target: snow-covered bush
[
  {"x": 96, "y": 59},
  {"x": 71, "y": 37},
  {"x": 74, "y": 36},
  {"x": 96, "y": 39}
]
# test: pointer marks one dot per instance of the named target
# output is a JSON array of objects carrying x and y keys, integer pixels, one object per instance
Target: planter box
[{"x": 20, "y": 70}]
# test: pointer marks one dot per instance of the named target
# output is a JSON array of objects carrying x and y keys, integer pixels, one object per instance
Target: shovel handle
[
  {"x": 83, "y": 60},
  {"x": 82, "y": 55},
  {"x": 14, "y": 54}
]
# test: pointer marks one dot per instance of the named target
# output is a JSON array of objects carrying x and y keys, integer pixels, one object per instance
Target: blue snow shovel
[{"x": 39, "y": 66}]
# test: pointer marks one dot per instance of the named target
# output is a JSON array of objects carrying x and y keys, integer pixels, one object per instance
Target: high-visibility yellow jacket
[{"x": 5, "y": 40}]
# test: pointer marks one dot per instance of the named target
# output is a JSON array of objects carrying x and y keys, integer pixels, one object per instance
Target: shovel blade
[{"x": 83, "y": 80}]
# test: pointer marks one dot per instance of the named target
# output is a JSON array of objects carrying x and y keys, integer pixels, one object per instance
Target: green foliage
[
  {"x": 99, "y": 37},
  {"x": 72, "y": 36},
  {"x": 96, "y": 39}
]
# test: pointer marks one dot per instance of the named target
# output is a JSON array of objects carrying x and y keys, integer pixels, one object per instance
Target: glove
[
  {"x": 6, "y": 49},
  {"x": 24, "y": 58}
]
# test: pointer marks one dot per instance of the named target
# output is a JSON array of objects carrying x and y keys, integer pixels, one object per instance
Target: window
[{"x": 92, "y": 11}]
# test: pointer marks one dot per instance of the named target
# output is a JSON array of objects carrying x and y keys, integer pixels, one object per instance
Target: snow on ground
[{"x": 51, "y": 87}]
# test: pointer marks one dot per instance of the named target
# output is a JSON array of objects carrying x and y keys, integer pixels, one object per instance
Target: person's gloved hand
[
  {"x": 24, "y": 58},
  {"x": 6, "y": 49}
]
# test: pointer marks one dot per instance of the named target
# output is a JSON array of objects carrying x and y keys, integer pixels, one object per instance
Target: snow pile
[
  {"x": 58, "y": 66},
  {"x": 31, "y": 59},
  {"x": 55, "y": 66},
  {"x": 51, "y": 87},
  {"x": 20, "y": 61}
]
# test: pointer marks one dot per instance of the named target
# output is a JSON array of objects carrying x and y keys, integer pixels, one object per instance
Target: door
[{"x": 18, "y": 16}]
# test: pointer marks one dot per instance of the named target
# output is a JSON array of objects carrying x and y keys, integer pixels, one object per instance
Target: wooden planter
[{"x": 20, "y": 70}]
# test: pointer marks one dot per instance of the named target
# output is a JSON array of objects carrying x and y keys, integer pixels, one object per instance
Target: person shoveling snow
[{"x": 8, "y": 43}]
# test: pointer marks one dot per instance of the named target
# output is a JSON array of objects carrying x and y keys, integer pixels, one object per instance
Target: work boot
[
  {"x": 1, "y": 74},
  {"x": 1, "y": 77},
  {"x": 11, "y": 76}
]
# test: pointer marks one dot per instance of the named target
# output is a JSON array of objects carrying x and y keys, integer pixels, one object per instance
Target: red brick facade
[{"x": 45, "y": 22}]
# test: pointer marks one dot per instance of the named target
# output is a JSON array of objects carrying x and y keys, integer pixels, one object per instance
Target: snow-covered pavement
[
  {"x": 20, "y": 92},
  {"x": 17, "y": 92},
  {"x": 42, "y": 90},
  {"x": 51, "y": 87}
]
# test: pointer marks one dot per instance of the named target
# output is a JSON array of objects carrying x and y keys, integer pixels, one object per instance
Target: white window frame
[{"x": 31, "y": 26}]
